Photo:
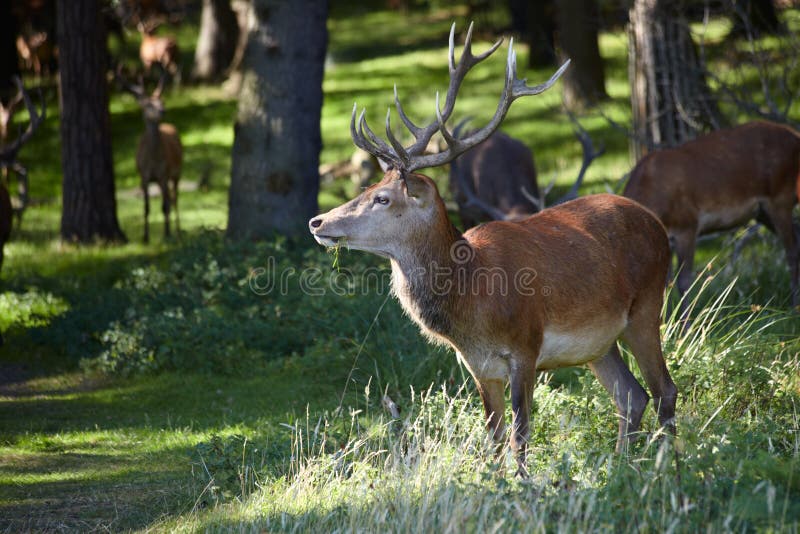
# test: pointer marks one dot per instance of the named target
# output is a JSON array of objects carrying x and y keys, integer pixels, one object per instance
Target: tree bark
[
  {"x": 277, "y": 140},
  {"x": 89, "y": 209},
  {"x": 216, "y": 44},
  {"x": 535, "y": 22},
  {"x": 9, "y": 64},
  {"x": 584, "y": 81},
  {"x": 670, "y": 99}
]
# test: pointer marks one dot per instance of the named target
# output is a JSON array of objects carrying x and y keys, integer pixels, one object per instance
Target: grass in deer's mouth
[{"x": 334, "y": 249}]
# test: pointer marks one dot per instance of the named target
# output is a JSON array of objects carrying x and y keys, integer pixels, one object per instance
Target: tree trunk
[
  {"x": 9, "y": 64},
  {"x": 216, "y": 44},
  {"x": 277, "y": 140},
  {"x": 670, "y": 98},
  {"x": 755, "y": 18},
  {"x": 89, "y": 204},
  {"x": 535, "y": 22},
  {"x": 584, "y": 81}
]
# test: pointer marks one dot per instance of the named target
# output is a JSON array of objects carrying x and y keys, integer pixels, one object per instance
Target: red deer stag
[
  {"x": 159, "y": 156},
  {"x": 8, "y": 160},
  {"x": 512, "y": 298},
  {"x": 722, "y": 181},
  {"x": 497, "y": 178}
]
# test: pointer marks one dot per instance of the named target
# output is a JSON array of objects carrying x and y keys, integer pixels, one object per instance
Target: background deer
[
  {"x": 496, "y": 180},
  {"x": 496, "y": 172},
  {"x": 722, "y": 181},
  {"x": 513, "y": 298},
  {"x": 8, "y": 161},
  {"x": 159, "y": 156},
  {"x": 159, "y": 50}
]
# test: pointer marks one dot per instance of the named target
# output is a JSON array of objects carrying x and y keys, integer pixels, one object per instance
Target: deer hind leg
[
  {"x": 146, "y": 211},
  {"x": 780, "y": 219},
  {"x": 523, "y": 380},
  {"x": 165, "y": 205},
  {"x": 629, "y": 396},
  {"x": 644, "y": 338}
]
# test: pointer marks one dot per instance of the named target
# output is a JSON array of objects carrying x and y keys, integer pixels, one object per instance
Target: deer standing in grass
[
  {"x": 514, "y": 298},
  {"x": 159, "y": 156},
  {"x": 722, "y": 181}
]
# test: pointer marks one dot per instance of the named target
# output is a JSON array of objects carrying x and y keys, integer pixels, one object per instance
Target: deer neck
[
  {"x": 427, "y": 278},
  {"x": 152, "y": 137}
]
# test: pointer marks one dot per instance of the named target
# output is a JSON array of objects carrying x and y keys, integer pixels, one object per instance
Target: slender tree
[
  {"x": 216, "y": 44},
  {"x": 274, "y": 174},
  {"x": 585, "y": 80},
  {"x": 670, "y": 98},
  {"x": 89, "y": 202}
]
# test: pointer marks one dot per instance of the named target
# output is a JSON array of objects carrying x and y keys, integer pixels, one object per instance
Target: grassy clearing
[{"x": 163, "y": 387}]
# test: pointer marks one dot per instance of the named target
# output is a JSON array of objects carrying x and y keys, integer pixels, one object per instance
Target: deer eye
[{"x": 380, "y": 199}]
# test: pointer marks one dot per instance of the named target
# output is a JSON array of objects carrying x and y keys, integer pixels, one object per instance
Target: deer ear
[
  {"x": 419, "y": 188},
  {"x": 385, "y": 166}
]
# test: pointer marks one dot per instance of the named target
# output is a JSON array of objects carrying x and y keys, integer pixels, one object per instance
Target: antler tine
[
  {"x": 413, "y": 128},
  {"x": 589, "y": 155},
  {"x": 397, "y": 145},
  {"x": 377, "y": 148}
]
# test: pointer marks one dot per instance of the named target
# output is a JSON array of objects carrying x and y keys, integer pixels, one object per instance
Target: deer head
[{"x": 403, "y": 204}]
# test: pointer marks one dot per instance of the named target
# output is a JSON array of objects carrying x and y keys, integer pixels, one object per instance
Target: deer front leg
[
  {"x": 523, "y": 380},
  {"x": 492, "y": 392},
  {"x": 684, "y": 242},
  {"x": 146, "y": 212}
]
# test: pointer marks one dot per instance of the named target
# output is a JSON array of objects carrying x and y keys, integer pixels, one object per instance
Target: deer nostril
[{"x": 315, "y": 223}]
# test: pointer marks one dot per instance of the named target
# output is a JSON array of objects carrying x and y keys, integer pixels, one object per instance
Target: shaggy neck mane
[{"x": 426, "y": 278}]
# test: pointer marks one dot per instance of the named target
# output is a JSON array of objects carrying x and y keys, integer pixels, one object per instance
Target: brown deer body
[
  {"x": 722, "y": 181},
  {"x": 481, "y": 169},
  {"x": 513, "y": 298},
  {"x": 159, "y": 156}
]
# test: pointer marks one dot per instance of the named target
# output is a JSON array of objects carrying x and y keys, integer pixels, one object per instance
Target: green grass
[{"x": 151, "y": 387}]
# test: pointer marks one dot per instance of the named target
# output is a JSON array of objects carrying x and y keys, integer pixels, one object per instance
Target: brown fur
[
  {"x": 721, "y": 181},
  {"x": 158, "y": 50},
  {"x": 598, "y": 266}
]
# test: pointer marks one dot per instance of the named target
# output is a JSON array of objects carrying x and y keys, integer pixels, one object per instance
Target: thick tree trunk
[
  {"x": 670, "y": 98},
  {"x": 535, "y": 22},
  {"x": 274, "y": 174},
  {"x": 9, "y": 64},
  {"x": 219, "y": 33},
  {"x": 89, "y": 204},
  {"x": 584, "y": 81}
]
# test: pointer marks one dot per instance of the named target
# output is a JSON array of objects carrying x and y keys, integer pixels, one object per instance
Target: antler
[
  {"x": 137, "y": 90},
  {"x": 590, "y": 153},
  {"x": 413, "y": 157},
  {"x": 8, "y": 153}
]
